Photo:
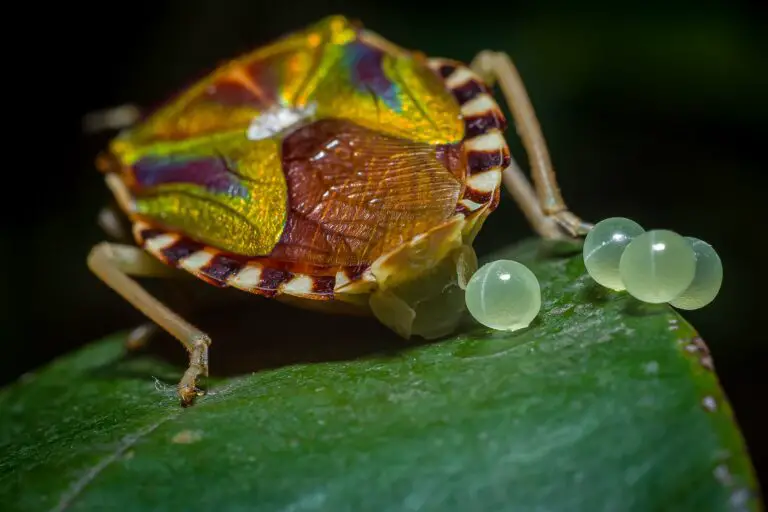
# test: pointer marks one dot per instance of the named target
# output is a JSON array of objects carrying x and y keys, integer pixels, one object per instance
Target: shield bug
[{"x": 331, "y": 169}]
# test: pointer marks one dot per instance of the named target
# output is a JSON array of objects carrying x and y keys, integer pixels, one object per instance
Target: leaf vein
[{"x": 68, "y": 498}]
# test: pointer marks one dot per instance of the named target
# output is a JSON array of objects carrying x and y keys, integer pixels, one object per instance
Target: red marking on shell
[
  {"x": 480, "y": 124},
  {"x": 479, "y": 161},
  {"x": 323, "y": 285},
  {"x": 468, "y": 90},
  {"x": 232, "y": 93},
  {"x": 222, "y": 267},
  {"x": 453, "y": 158},
  {"x": 251, "y": 84},
  {"x": 271, "y": 279},
  {"x": 179, "y": 250},
  {"x": 147, "y": 233},
  {"x": 446, "y": 70},
  {"x": 477, "y": 196},
  {"x": 356, "y": 272}
]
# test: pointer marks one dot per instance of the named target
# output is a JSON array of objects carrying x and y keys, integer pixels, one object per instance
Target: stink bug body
[{"x": 328, "y": 169}]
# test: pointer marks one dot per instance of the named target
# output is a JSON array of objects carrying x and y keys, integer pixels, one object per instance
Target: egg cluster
[{"x": 654, "y": 266}]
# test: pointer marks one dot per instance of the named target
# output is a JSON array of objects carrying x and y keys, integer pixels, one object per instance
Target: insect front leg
[
  {"x": 113, "y": 264},
  {"x": 551, "y": 208},
  {"x": 109, "y": 119}
]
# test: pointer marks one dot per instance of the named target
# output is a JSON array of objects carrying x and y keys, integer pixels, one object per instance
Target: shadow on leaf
[{"x": 254, "y": 334}]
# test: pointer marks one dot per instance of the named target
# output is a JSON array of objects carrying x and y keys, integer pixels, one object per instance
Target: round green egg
[
  {"x": 603, "y": 247},
  {"x": 503, "y": 295},
  {"x": 707, "y": 281},
  {"x": 657, "y": 266}
]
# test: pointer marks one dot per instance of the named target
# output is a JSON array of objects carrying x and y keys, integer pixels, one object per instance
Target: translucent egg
[
  {"x": 706, "y": 283},
  {"x": 603, "y": 247},
  {"x": 503, "y": 295},
  {"x": 657, "y": 266}
]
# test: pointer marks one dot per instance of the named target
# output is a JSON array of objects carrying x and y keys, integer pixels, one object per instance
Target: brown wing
[{"x": 355, "y": 194}]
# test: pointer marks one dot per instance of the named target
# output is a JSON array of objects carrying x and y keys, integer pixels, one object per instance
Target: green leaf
[{"x": 604, "y": 403}]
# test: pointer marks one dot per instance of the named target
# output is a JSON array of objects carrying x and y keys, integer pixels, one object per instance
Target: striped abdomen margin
[
  {"x": 487, "y": 150},
  {"x": 255, "y": 275},
  {"x": 487, "y": 156}
]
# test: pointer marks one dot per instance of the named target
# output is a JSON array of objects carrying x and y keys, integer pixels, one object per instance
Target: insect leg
[
  {"x": 524, "y": 195},
  {"x": 113, "y": 264},
  {"x": 115, "y": 118},
  {"x": 111, "y": 223},
  {"x": 497, "y": 66},
  {"x": 139, "y": 337}
]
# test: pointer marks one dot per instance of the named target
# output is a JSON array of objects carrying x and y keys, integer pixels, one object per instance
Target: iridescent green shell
[{"x": 322, "y": 166}]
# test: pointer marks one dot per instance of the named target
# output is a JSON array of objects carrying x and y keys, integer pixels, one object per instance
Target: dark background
[{"x": 654, "y": 112}]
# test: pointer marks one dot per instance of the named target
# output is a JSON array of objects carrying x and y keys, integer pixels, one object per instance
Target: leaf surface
[{"x": 604, "y": 403}]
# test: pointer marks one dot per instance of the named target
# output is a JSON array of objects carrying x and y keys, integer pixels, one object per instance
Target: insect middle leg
[
  {"x": 550, "y": 215},
  {"x": 113, "y": 264},
  {"x": 110, "y": 221}
]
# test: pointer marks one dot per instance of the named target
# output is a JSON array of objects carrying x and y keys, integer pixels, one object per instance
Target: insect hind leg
[
  {"x": 542, "y": 204},
  {"x": 114, "y": 264}
]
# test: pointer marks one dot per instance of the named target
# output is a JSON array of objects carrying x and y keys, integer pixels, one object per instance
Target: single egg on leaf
[
  {"x": 504, "y": 295},
  {"x": 706, "y": 283},
  {"x": 603, "y": 247},
  {"x": 657, "y": 266}
]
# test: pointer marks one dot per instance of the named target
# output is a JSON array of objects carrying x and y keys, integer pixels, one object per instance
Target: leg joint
[
  {"x": 201, "y": 341},
  {"x": 100, "y": 252}
]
